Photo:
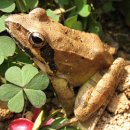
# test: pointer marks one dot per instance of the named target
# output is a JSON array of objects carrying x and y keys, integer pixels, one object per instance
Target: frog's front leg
[
  {"x": 64, "y": 93},
  {"x": 85, "y": 105},
  {"x": 62, "y": 88}
]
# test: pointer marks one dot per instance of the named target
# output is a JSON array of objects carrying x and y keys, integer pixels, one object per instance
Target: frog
[{"x": 69, "y": 57}]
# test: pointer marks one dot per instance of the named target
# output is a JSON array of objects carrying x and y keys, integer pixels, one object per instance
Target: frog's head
[
  {"x": 26, "y": 30},
  {"x": 29, "y": 32}
]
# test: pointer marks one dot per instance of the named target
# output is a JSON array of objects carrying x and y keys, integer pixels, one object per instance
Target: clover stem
[
  {"x": 24, "y": 109},
  {"x": 62, "y": 11},
  {"x": 70, "y": 9}
]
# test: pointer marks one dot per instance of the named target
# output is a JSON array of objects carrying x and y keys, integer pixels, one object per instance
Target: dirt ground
[{"x": 117, "y": 113}]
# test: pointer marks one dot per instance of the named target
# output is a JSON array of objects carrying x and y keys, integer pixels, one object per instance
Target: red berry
[{"x": 21, "y": 124}]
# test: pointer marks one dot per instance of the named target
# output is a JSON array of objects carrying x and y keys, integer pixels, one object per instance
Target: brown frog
[{"x": 70, "y": 58}]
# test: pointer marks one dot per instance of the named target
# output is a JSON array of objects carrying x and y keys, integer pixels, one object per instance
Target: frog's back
[{"x": 78, "y": 55}]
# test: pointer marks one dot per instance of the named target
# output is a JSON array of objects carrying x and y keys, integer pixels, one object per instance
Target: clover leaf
[
  {"x": 22, "y": 76},
  {"x": 73, "y": 23},
  {"x": 37, "y": 81},
  {"x": 2, "y": 23},
  {"x": 85, "y": 11},
  {"x": 7, "y": 5},
  {"x": 16, "y": 103},
  {"x": 27, "y": 83},
  {"x": 31, "y": 4},
  {"x": 81, "y": 8},
  {"x": 7, "y": 91},
  {"x": 79, "y": 4},
  {"x": 52, "y": 14},
  {"x": 1, "y": 59},
  {"x": 7, "y": 48},
  {"x": 36, "y": 97}
]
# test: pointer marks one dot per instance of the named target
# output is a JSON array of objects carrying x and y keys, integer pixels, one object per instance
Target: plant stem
[
  {"x": 24, "y": 109},
  {"x": 65, "y": 11},
  {"x": 70, "y": 9}
]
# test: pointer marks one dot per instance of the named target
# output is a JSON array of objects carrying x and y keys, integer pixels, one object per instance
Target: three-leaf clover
[{"x": 27, "y": 83}]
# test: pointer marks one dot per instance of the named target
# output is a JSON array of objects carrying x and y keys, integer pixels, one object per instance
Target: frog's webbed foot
[
  {"x": 64, "y": 93},
  {"x": 100, "y": 94}
]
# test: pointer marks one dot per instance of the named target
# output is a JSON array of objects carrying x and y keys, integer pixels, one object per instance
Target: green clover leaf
[
  {"x": 7, "y": 5},
  {"x": 7, "y": 91},
  {"x": 7, "y": 47},
  {"x": 16, "y": 103},
  {"x": 22, "y": 76},
  {"x": 36, "y": 97}
]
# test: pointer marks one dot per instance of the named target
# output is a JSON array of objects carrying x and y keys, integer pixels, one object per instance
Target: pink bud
[{"x": 48, "y": 122}]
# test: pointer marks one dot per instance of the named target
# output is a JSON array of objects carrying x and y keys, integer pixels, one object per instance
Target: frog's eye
[{"x": 36, "y": 39}]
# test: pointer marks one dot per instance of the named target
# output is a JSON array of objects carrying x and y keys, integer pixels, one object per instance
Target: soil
[{"x": 117, "y": 113}]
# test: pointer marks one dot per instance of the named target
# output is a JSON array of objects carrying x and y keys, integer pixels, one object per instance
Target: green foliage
[
  {"x": 85, "y": 11},
  {"x": 36, "y": 97},
  {"x": 24, "y": 75},
  {"x": 37, "y": 80},
  {"x": 80, "y": 9},
  {"x": 16, "y": 103},
  {"x": 2, "y": 23},
  {"x": 26, "y": 5},
  {"x": 7, "y": 91},
  {"x": 7, "y": 6},
  {"x": 94, "y": 26},
  {"x": 108, "y": 6},
  {"x": 57, "y": 122},
  {"x": 73, "y": 23},
  {"x": 62, "y": 2},
  {"x": 7, "y": 48},
  {"x": 31, "y": 4},
  {"x": 52, "y": 15},
  {"x": 27, "y": 83}
]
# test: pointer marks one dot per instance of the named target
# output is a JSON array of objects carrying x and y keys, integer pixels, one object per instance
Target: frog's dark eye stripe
[{"x": 36, "y": 39}]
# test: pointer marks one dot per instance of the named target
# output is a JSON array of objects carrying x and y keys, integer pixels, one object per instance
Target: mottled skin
[{"x": 75, "y": 55}]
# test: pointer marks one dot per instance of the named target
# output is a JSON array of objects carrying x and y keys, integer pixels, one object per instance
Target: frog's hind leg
[
  {"x": 65, "y": 94},
  {"x": 102, "y": 91}
]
